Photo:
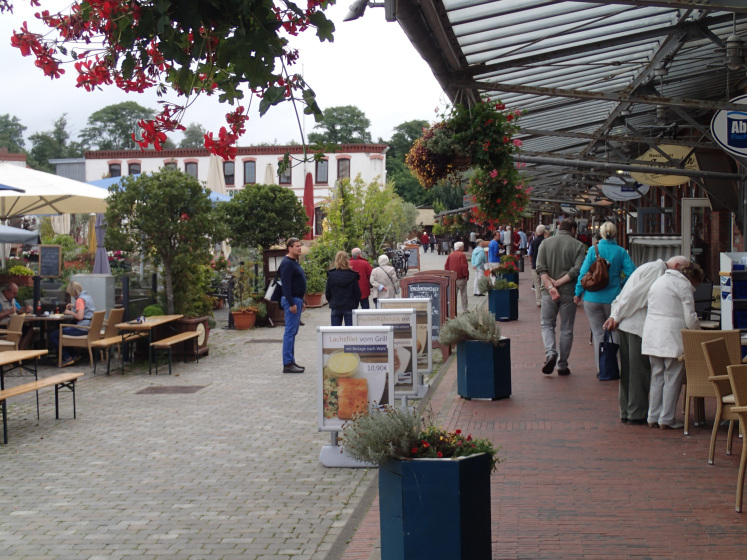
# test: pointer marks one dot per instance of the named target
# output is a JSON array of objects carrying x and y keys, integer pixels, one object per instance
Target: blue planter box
[
  {"x": 504, "y": 304},
  {"x": 484, "y": 370},
  {"x": 435, "y": 508},
  {"x": 510, "y": 277}
]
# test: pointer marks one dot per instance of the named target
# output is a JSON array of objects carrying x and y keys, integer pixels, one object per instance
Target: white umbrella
[
  {"x": 61, "y": 224},
  {"x": 269, "y": 175},
  {"x": 216, "y": 183},
  {"x": 46, "y": 194}
]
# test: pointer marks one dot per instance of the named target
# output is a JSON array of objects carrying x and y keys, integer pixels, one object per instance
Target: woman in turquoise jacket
[{"x": 598, "y": 304}]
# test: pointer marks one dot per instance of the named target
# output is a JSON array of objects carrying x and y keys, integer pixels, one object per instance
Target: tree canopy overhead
[
  {"x": 11, "y": 134},
  {"x": 224, "y": 47},
  {"x": 113, "y": 127}
]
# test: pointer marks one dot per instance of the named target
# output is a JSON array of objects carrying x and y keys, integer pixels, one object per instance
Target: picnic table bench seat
[{"x": 168, "y": 343}]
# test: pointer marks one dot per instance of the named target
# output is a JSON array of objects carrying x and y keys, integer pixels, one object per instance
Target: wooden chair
[
  {"x": 82, "y": 341},
  {"x": 738, "y": 379},
  {"x": 12, "y": 336},
  {"x": 696, "y": 370},
  {"x": 717, "y": 360}
]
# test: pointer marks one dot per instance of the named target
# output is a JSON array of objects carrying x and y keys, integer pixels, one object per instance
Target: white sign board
[
  {"x": 355, "y": 371},
  {"x": 729, "y": 128},
  {"x": 403, "y": 323},
  {"x": 423, "y": 320},
  {"x": 616, "y": 188}
]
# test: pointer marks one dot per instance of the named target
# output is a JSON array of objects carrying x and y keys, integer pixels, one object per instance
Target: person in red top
[
  {"x": 425, "y": 241},
  {"x": 457, "y": 261},
  {"x": 363, "y": 268}
]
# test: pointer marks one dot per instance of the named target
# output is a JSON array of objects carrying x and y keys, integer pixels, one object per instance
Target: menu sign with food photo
[
  {"x": 403, "y": 323},
  {"x": 422, "y": 309},
  {"x": 356, "y": 370}
]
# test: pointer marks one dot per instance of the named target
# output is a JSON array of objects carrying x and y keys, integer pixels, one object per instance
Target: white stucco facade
[{"x": 255, "y": 164}]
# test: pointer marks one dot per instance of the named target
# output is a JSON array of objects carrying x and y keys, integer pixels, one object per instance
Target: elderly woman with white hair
[
  {"x": 597, "y": 305},
  {"x": 384, "y": 280}
]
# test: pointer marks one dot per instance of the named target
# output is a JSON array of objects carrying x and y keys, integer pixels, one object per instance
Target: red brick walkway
[{"x": 576, "y": 483}]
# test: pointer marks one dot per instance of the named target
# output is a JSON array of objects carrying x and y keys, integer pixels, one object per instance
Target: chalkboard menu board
[
  {"x": 50, "y": 261},
  {"x": 435, "y": 288},
  {"x": 451, "y": 290},
  {"x": 413, "y": 260}
]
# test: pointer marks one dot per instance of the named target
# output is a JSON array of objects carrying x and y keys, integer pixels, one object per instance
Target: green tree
[
  {"x": 404, "y": 137},
  {"x": 345, "y": 124},
  {"x": 167, "y": 216},
  {"x": 405, "y": 183},
  {"x": 11, "y": 134},
  {"x": 112, "y": 127},
  {"x": 53, "y": 144},
  {"x": 263, "y": 215},
  {"x": 194, "y": 137}
]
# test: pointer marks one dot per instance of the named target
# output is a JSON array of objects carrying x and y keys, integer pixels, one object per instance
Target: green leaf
[{"x": 272, "y": 96}]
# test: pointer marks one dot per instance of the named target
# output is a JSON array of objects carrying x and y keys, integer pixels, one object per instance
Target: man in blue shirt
[
  {"x": 293, "y": 285},
  {"x": 494, "y": 249}
]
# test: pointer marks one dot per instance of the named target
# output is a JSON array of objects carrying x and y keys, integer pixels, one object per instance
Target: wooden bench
[
  {"x": 66, "y": 380},
  {"x": 106, "y": 344},
  {"x": 168, "y": 343}
]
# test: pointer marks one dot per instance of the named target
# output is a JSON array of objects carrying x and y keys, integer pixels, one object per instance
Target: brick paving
[
  {"x": 231, "y": 471},
  {"x": 576, "y": 483}
]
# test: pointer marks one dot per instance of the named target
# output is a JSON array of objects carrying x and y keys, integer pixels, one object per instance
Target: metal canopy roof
[{"x": 602, "y": 82}]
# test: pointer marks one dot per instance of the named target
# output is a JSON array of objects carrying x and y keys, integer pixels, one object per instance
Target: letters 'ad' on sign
[{"x": 355, "y": 372}]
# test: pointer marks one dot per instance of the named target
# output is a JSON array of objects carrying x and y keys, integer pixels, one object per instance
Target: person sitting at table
[
  {"x": 9, "y": 306},
  {"x": 81, "y": 309}
]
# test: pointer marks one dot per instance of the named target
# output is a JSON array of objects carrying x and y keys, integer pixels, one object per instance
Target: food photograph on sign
[
  {"x": 356, "y": 372},
  {"x": 405, "y": 357}
]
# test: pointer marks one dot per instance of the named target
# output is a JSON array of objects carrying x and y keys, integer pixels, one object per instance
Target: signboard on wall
[
  {"x": 50, "y": 261},
  {"x": 665, "y": 154},
  {"x": 729, "y": 128},
  {"x": 355, "y": 371},
  {"x": 404, "y": 328}
]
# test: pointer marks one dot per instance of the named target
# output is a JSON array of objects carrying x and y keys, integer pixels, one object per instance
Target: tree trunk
[{"x": 168, "y": 287}]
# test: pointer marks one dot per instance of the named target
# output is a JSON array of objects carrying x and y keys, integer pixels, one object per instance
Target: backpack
[{"x": 598, "y": 275}]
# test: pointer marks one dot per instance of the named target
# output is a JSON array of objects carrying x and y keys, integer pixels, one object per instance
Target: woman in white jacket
[
  {"x": 383, "y": 280},
  {"x": 671, "y": 308}
]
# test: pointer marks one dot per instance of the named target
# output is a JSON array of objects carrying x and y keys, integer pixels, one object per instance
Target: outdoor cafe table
[
  {"x": 135, "y": 329},
  {"x": 14, "y": 359},
  {"x": 47, "y": 322}
]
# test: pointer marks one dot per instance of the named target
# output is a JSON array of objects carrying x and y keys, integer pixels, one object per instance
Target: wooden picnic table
[{"x": 149, "y": 323}]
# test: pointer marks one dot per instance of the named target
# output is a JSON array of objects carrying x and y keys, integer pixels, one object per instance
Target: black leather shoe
[
  {"x": 565, "y": 371},
  {"x": 292, "y": 368},
  {"x": 637, "y": 421},
  {"x": 299, "y": 367},
  {"x": 549, "y": 364},
  {"x": 624, "y": 420}
]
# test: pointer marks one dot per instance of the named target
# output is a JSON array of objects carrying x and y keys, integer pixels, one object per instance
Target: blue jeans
[
  {"x": 364, "y": 304},
  {"x": 292, "y": 322},
  {"x": 54, "y": 339},
  {"x": 339, "y": 315}
]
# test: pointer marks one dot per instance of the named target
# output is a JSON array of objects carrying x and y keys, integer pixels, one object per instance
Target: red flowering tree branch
[{"x": 193, "y": 47}]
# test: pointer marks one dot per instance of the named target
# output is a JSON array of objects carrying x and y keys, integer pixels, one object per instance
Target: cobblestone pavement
[{"x": 225, "y": 472}]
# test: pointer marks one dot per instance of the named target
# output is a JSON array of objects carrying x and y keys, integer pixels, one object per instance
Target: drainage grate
[
  {"x": 264, "y": 340},
  {"x": 170, "y": 389}
]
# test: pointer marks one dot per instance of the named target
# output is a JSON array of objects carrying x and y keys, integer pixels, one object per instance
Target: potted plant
[
  {"x": 431, "y": 482},
  {"x": 245, "y": 308},
  {"x": 508, "y": 269},
  {"x": 20, "y": 275},
  {"x": 503, "y": 297},
  {"x": 483, "y": 355},
  {"x": 315, "y": 269}
]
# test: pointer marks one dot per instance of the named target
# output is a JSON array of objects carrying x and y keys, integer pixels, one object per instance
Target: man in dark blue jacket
[{"x": 293, "y": 281}]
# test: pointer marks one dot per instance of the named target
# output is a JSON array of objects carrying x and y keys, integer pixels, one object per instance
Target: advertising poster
[
  {"x": 356, "y": 370},
  {"x": 404, "y": 327},
  {"x": 422, "y": 308}
]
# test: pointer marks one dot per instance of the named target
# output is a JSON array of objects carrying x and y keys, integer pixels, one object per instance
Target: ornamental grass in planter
[
  {"x": 483, "y": 355},
  {"x": 431, "y": 482}
]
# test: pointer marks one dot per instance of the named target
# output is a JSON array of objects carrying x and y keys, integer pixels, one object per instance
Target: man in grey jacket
[
  {"x": 628, "y": 314},
  {"x": 559, "y": 261}
]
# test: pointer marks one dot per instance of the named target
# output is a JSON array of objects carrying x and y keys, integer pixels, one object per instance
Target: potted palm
[
  {"x": 483, "y": 355},
  {"x": 431, "y": 482},
  {"x": 245, "y": 310},
  {"x": 503, "y": 297},
  {"x": 316, "y": 280}
]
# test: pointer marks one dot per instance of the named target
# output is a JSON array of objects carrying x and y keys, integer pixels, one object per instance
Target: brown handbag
[{"x": 598, "y": 275}]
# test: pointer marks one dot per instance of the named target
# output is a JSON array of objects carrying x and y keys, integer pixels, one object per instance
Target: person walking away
[
  {"x": 494, "y": 251},
  {"x": 515, "y": 243},
  {"x": 539, "y": 237},
  {"x": 81, "y": 308},
  {"x": 425, "y": 241},
  {"x": 559, "y": 261},
  {"x": 508, "y": 237},
  {"x": 627, "y": 315},
  {"x": 293, "y": 281},
  {"x": 457, "y": 261},
  {"x": 671, "y": 308},
  {"x": 523, "y": 242},
  {"x": 473, "y": 239},
  {"x": 597, "y": 305},
  {"x": 343, "y": 291},
  {"x": 478, "y": 262},
  {"x": 432, "y": 239},
  {"x": 363, "y": 268},
  {"x": 384, "y": 280}
]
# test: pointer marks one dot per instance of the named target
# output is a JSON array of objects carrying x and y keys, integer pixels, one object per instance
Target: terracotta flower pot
[{"x": 244, "y": 320}]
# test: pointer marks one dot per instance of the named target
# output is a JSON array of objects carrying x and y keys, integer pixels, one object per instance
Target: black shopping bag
[{"x": 608, "y": 368}]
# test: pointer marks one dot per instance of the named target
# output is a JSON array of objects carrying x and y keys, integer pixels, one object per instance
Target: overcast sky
[{"x": 370, "y": 64}]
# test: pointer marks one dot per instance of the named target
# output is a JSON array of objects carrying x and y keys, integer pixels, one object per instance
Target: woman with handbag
[
  {"x": 343, "y": 292},
  {"x": 597, "y": 304},
  {"x": 384, "y": 280}
]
